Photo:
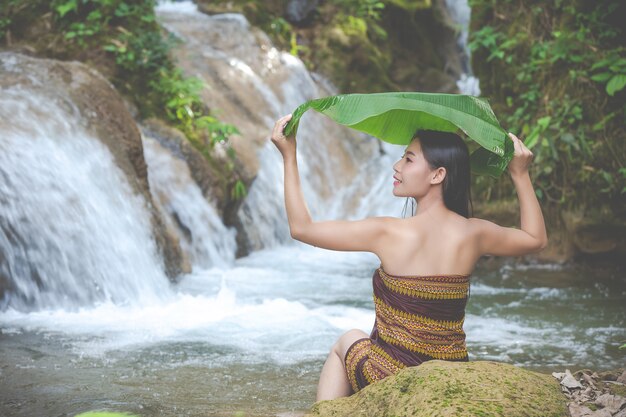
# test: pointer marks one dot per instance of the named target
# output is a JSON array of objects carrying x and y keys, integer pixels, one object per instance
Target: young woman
[{"x": 422, "y": 285}]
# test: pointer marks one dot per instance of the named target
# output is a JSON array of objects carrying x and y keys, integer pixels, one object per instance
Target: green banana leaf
[{"x": 395, "y": 117}]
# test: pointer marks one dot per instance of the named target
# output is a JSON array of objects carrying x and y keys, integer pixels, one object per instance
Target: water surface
[{"x": 253, "y": 337}]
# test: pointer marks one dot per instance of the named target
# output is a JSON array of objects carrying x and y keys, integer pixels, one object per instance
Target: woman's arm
[
  {"x": 508, "y": 241},
  {"x": 363, "y": 235}
]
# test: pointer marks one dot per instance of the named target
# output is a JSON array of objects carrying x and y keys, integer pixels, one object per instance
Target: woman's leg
[{"x": 334, "y": 379}]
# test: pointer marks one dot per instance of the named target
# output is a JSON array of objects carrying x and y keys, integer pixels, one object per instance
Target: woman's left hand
[
  {"x": 522, "y": 157},
  {"x": 286, "y": 145}
]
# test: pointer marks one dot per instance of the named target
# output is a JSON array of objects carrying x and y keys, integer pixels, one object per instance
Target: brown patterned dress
[{"x": 418, "y": 318}]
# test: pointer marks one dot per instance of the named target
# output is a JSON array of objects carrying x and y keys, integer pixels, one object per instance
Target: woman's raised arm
[
  {"x": 362, "y": 235},
  {"x": 508, "y": 241}
]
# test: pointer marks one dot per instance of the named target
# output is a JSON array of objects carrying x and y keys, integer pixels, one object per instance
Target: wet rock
[
  {"x": 612, "y": 403},
  {"x": 298, "y": 11},
  {"x": 250, "y": 84},
  {"x": 203, "y": 173},
  {"x": 621, "y": 413},
  {"x": 104, "y": 114},
  {"x": 453, "y": 389}
]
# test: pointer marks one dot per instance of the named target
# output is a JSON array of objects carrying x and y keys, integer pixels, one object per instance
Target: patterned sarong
[{"x": 418, "y": 318}]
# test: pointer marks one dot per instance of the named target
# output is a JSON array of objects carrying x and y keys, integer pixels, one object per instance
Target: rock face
[
  {"x": 250, "y": 84},
  {"x": 105, "y": 116},
  {"x": 440, "y": 388},
  {"x": 177, "y": 143},
  {"x": 411, "y": 47},
  {"x": 298, "y": 11}
]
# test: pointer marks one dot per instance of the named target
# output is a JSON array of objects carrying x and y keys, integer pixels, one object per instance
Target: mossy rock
[{"x": 441, "y": 388}]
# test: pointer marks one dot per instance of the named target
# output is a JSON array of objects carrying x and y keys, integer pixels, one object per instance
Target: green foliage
[
  {"x": 369, "y": 9},
  {"x": 395, "y": 117},
  {"x": 239, "y": 190},
  {"x": 558, "y": 71},
  {"x": 364, "y": 16},
  {"x": 611, "y": 71}
]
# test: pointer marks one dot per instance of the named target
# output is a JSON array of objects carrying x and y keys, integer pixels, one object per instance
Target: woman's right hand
[
  {"x": 286, "y": 145},
  {"x": 522, "y": 157}
]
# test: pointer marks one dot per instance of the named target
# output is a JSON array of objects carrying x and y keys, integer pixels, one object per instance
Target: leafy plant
[
  {"x": 558, "y": 70},
  {"x": 239, "y": 190},
  {"x": 611, "y": 71},
  {"x": 395, "y": 117}
]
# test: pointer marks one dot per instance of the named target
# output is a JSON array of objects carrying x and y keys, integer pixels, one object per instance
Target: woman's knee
[
  {"x": 354, "y": 334},
  {"x": 346, "y": 340}
]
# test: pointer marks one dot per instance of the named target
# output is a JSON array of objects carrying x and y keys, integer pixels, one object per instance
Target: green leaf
[
  {"x": 544, "y": 122},
  {"x": 602, "y": 63},
  {"x": 67, "y": 7},
  {"x": 94, "y": 15},
  {"x": 616, "y": 84},
  {"x": 532, "y": 138},
  {"x": 395, "y": 117},
  {"x": 602, "y": 77}
]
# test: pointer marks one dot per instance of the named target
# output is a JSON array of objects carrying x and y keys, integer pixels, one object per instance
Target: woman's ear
[{"x": 438, "y": 175}]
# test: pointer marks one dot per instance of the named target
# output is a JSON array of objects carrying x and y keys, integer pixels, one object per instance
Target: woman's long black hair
[{"x": 446, "y": 149}]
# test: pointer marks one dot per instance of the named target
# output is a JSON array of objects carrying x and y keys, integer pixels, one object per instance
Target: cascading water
[
  {"x": 260, "y": 85},
  {"x": 204, "y": 238},
  {"x": 460, "y": 12},
  {"x": 71, "y": 231}
]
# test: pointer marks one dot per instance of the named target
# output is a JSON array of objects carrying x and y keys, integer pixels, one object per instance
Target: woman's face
[{"x": 412, "y": 174}]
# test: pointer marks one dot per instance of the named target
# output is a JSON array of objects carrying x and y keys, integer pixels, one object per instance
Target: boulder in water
[{"x": 441, "y": 388}]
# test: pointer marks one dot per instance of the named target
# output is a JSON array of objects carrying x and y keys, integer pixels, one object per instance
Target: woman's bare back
[{"x": 427, "y": 245}]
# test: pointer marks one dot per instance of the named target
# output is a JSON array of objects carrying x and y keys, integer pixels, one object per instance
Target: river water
[{"x": 253, "y": 337}]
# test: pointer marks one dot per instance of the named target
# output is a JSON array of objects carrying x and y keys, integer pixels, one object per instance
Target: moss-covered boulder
[{"x": 440, "y": 388}]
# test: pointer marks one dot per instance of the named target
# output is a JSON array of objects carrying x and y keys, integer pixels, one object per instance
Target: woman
[{"x": 422, "y": 285}]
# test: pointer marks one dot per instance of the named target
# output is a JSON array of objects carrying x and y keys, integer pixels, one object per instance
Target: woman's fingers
[
  {"x": 516, "y": 143},
  {"x": 285, "y": 145},
  {"x": 279, "y": 126},
  {"x": 519, "y": 146},
  {"x": 522, "y": 156}
]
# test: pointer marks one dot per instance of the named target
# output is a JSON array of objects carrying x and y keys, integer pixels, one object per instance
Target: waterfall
[
  {"x": 203, "y": 237},
  {"x": 72, "y": 233},
  {"x": 460, "y": 13},
  {"x": 252, "y": 85}
]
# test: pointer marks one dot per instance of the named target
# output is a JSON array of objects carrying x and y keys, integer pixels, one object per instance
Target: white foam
[
  {"x": 176, "y": 7},
  {"x": 273, "y": 327}
]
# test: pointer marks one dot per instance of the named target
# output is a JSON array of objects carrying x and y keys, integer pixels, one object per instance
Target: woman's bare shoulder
[{"x": 479, "y": 223}]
